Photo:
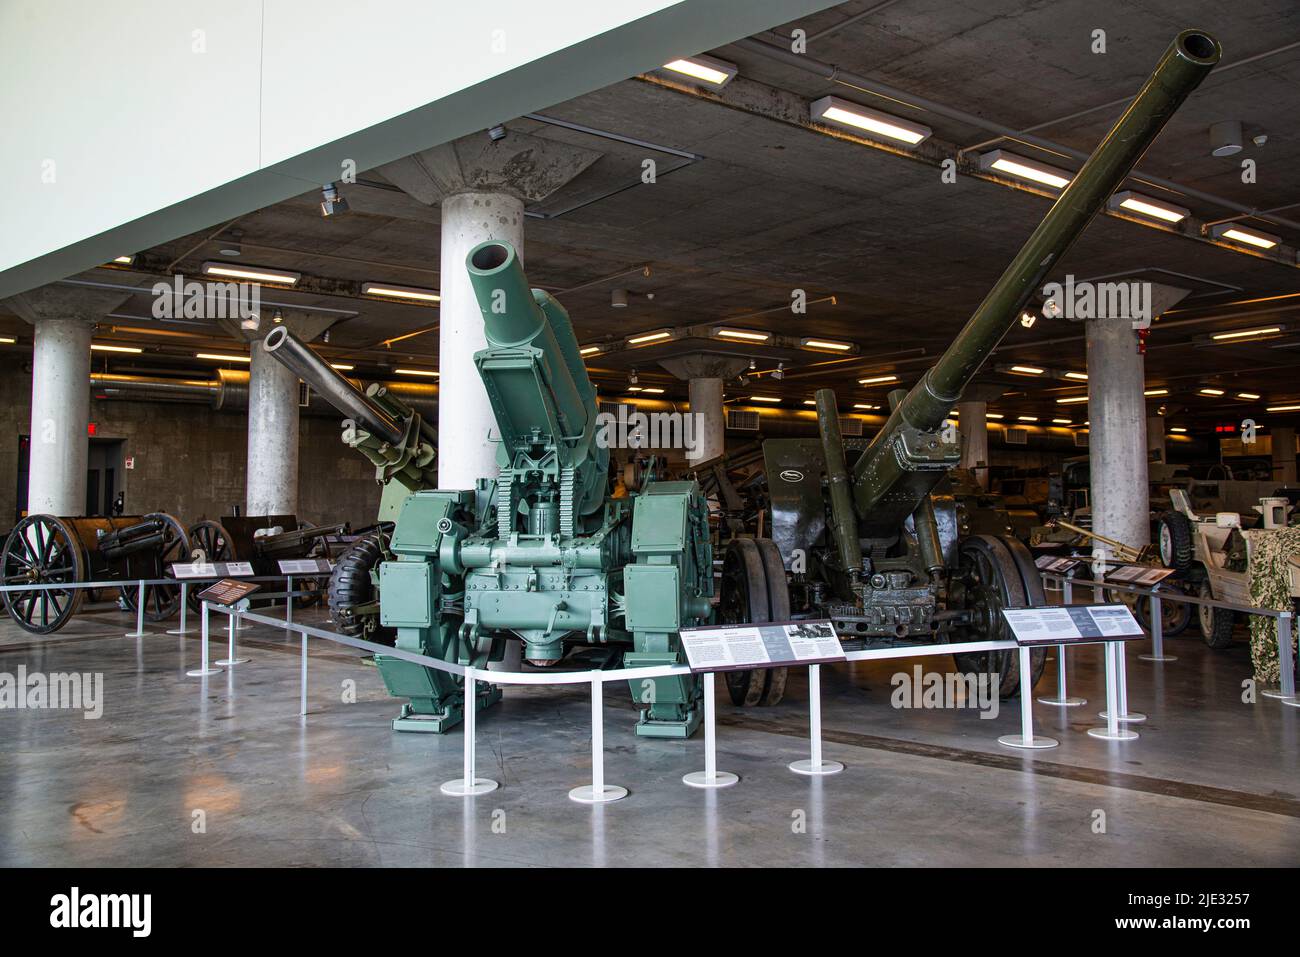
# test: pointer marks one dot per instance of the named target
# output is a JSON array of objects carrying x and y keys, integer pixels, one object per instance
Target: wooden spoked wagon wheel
[{"x": 43, "y": 550}]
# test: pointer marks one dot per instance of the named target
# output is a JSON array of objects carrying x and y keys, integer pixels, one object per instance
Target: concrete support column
[
  {"x": 272, "y": 481},
  {"x": 711, "y": 422},
  {"x": 1283, "y": 441},
  {"x": 1117, "y": 440},
  {"x": 1156, "y": 438},
  {"x": 56, "y": 481},
  {"x": 973, "y": 423},
  {"x": 465, "y": 453}
]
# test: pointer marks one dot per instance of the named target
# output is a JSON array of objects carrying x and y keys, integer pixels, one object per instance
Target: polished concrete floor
[{"x": 224, "y": 771}]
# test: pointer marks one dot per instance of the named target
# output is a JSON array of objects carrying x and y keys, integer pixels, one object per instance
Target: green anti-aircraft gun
[
  {"x": 874, "y": 547},
  {"x": 542, "y": 552}
]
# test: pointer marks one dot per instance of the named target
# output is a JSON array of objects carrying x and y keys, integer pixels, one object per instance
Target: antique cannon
[
  {"x": 542, "y": 553},
  {"x": 872, "y": 547},
  {"x": 401, "y": 446},
  {"x": 48, "y": 550}
]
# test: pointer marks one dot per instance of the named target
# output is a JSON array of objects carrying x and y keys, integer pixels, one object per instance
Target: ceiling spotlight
[
  {"x": 832, "y": 109},
  {"x": 1137, "y": 203},
  {"x": 277, "y": 317},
  {"x": 716, "y": 73},
  {"x": 331, "y": 201},
  {"x": 1021, "y": 168},
  {"x": 1027, "y": 319},
  {"x": 1240, "y": 234},
  {"x": 325, "y": 337},
  {"x": 496, "y": 133},
  {"x": 779, "y": 371},
  {"x": 1225, "y": 138},
  {"x": 753, "y": 363},
  {"x": 618, "y": 298},
  {"x": 251, "y": 322},
  {"x": 235, "y": 246},
  {"x": 631, "y": 377}
]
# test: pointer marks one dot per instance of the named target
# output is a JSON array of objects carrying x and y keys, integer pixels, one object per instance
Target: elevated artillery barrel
[
  {"x": 351, "y": 402},
  {"x": 906, "y": 459}
]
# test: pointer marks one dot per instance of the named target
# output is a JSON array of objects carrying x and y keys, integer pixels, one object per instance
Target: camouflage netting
[{"x": 1270, "y": 587}]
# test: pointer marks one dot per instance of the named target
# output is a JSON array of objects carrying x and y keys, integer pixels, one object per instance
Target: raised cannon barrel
[
  {"x": 351, "y": 402},
  {"x": 909, "y": 455}
]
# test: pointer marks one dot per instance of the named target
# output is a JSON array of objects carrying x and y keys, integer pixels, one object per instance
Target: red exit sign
[{"x": 92, "y": 429}]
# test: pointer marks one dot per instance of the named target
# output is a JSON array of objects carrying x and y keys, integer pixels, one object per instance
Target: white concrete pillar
[
  {"x": 1117, "y": 442},
  {"x": 272, "y": 482},
  {"x": 1283, "y": 442},
  {"x": 973, "y": 424},
  {"x": 1156, "y": 438},
  {"x": 711, "y": 425},
  {"x": 56, "y": 478},
  {"x": 465, "y": 418}
]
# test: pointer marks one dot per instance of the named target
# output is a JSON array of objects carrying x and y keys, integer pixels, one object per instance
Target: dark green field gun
[{"x": 872, "y": 546}]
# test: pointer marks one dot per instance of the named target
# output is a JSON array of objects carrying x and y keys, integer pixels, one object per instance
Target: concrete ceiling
[{"x": 773, "y": 206}]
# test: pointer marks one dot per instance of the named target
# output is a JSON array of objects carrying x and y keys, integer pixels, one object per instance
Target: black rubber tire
[
  {"x": 778, "y": 606},
  {"x": 744, "y": 600},
  {"x": 1216, "y": 623},
  {"x": 1174, "y": 541},
  {"x": 1007, "y": 586},
  {"x": 350, "y": 586}
]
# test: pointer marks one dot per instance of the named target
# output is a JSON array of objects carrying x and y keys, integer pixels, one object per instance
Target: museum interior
[{"x": 672, "y": 435}]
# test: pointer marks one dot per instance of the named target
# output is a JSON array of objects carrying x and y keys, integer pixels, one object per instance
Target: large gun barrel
[
  {"x": 906, "y": 459},
  {"x": 337, "y": 390}
]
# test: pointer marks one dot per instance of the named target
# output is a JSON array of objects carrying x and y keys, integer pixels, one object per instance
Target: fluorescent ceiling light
[
  {"x": 746, "y": 334},
  {"x": 649, "y": 337},
  {"x": 1028, "y": 370},
  {"x": 8, "y": 340},
  {"x": 1150, "y": 392},
  {"x": 1284, "y": 408},
  {"x": 634, "y": 388},
  {"x": 341, "y": 366},
  {"x": 124, "y": 260},
  {"x": 429, "y": 373},
  {"x": 650, "y": 391},
  {"x": 865, "y": 405},
  {"x": 994, "y": 415},
  {"x": 809, "y": 401},
  {"x": 1177, "y": 428},
  {"x": 389, "y": 291},
  {"x": 1247, "y": 395},
  {"x": 764, "y": 398},
  {"x": 1240, "y": 234},
  {"x": 252, "y": 273},
  {"x": 1021, "y": 168},
  {"x": 100, "y": 347},
  {"x": 832, "y": 109},
  {"x": 826, "y": 344},
  {"x": 1147, "y": 206},
  {"x": 1077, "y": 376},
  {"x": 1026, "y": 418},
  {"x": 877, "y": 380},
  {"x": 1063, "y": 422},
  {"x": 1072, "y": 399},
  {"x": 1246, "y": 333},
  {"x": 588, "y": 350},
  {"x": 222, "y": 357},
  {"x": 1211, "y": 392},
  {"x": 707, "y": 69}
]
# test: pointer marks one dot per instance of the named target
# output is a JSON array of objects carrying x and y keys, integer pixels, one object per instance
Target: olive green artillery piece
[{"x": 873, "y": 547}]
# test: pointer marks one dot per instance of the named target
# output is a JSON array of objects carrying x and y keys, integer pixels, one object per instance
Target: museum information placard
[
  {"x": 734, "y": 647},
  {"x": 1066, "y": 624}
]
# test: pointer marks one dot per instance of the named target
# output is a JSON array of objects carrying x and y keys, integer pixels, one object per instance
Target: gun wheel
[
  {"x": 350, "y": 587},
  {"x": 994, "y": 575},
  {"x": 754, "y": 591},
  {"x": 160, "y": 601},
  {"x": 209, "y": 542},
  {"x": 42, "y": 550}
]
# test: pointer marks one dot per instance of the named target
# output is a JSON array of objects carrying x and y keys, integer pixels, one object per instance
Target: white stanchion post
[
  {"x": 205, "y": 669},
  {"x": 139, "y": 613},
  {"x": 1025, "y": 739},
  {"x": 288, "y": 600},
  {"x": 303, "y": 676},
  {"x": 469, "y": 783},
  {"x": 185, "y": 595},
  {"x": 1112, "y": 731},
  {"x": 597, "y": 792},
  {"x": 815, "y": 765},
  {"x": 230, "y": 658},
  {"x": 1121, "y": 684},
  {"x": 710, "y": 777},
  {"x": 1062, "y": 699},
  {"x": 1157, "y": 630},
  {"x": 1285, "y": 660}
]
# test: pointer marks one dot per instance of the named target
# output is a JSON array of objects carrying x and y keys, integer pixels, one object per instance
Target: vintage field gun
[
  {"x": 48, "y": 550},
  {"x": 873, "y": 547}
]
